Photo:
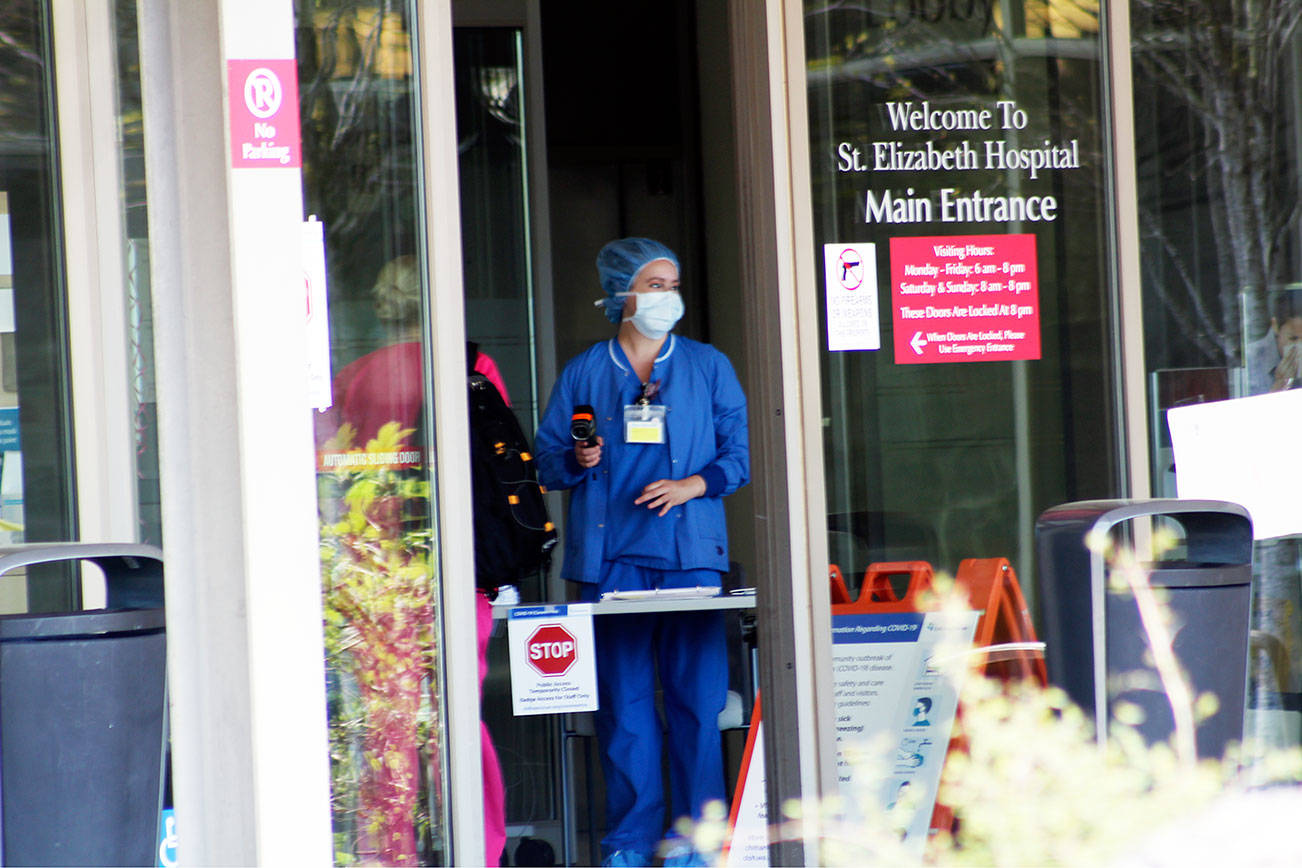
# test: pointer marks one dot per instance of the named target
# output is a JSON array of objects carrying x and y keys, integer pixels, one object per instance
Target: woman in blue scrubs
[{"x": 646, "y": 512}]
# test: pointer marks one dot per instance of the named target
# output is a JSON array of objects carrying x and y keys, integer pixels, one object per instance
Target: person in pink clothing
[{"x": 387, "y": 385}]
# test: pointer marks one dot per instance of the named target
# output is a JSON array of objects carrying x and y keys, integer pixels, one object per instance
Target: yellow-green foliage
[
  {"x": 1029, "y": 784},
  {"x": 379, "y": 583},
  {"x": 1034, "y": 787}
]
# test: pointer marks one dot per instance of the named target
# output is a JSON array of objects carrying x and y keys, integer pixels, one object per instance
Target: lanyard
[{"x": 650, "y": 391}]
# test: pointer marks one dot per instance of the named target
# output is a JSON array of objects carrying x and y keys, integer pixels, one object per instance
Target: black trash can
[
  {"x": 1096, "y": 646},
  {"x": 82, "y": 716}
]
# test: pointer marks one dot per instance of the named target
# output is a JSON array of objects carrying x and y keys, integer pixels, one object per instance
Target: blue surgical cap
[{"x": 620, "y": 261}]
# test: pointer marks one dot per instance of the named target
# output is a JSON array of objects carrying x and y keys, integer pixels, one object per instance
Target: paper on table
[
  {"x": 664, "y": 594},
  {"x": 1244, "y": 451}
]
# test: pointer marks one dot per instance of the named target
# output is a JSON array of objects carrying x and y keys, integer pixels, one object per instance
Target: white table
[
  {"x": 633, "y": 607},
  {"x": 722, "y": 602}
]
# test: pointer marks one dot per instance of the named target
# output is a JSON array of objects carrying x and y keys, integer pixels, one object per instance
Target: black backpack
[{"x": 514, "y": 536}]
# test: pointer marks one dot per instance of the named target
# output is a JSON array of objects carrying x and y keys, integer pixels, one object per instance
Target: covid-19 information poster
[
  {"x": 896, "y": 694},
  {"x": 553, "y": 659}
]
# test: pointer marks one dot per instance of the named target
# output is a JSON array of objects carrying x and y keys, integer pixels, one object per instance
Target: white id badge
[{"x": 644, "y": 423}]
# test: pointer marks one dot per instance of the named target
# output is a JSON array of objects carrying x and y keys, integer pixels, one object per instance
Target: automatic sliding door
[{"x": 375, "y": 444}]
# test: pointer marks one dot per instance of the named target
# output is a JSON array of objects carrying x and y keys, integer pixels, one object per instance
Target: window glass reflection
[
  {"x": 496, "y": 252},
  {"x": 499, "y": 304},
  {"x": 140, "y": 320},
  {"x": 378, "y": 540},
  {"x": 973, "y": 391},
  {"x": 36, "y": 460},
  {"x": 1218, "y": 100}
]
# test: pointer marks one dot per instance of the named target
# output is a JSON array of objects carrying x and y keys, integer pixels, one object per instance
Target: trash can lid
[
  {"x": 89, "y": 624},
  {"x": 1216, "y": 531}
]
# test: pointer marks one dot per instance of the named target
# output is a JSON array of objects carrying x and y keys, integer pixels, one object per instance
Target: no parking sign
[
  {"x": 264, "y": 114},
  {"x": 553, "y": 659}
]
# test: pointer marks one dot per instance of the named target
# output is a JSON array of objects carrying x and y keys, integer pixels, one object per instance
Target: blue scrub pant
[{"x": 689, "y": 649}]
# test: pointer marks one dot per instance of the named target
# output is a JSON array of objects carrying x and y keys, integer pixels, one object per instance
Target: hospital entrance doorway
[{"x": 579, "y": 123}]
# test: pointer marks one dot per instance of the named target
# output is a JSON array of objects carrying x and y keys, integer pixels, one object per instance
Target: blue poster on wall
[{"x": 10, "y": 441}]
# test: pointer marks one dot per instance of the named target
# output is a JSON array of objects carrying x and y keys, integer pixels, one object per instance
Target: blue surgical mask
[{"x": 656, "y": 313}]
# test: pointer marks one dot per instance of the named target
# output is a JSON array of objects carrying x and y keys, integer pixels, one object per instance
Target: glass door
[
  {"x": 497, "y": 260},
  {"x": 1218, "y": 129},
  {"x": 959, "y": 166},
  {"x": 36, "y": 460},
  {"x": 379, "y": 543},
  {"x": 498, "y": 267}
]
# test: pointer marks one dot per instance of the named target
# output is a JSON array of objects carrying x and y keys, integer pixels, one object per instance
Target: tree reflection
[{"x": 1219, "y": 197}]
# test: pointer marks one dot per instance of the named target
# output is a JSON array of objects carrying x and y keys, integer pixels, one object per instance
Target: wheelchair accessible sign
[{"x": 553, "y": 659}]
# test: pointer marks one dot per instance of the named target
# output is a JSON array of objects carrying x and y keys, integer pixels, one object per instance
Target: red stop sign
[{"x": 551, "y": 650}]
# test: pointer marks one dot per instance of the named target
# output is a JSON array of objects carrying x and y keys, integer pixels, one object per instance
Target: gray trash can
[
  {"x": 1093, "y": 634},
  {"x": 82, "y": 716}
]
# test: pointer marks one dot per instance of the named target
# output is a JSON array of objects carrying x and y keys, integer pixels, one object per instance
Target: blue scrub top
[{"x": 634, "y": 534}]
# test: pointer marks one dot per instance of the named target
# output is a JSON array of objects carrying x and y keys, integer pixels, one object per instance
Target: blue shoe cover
[{"x": 684, "y": 855}]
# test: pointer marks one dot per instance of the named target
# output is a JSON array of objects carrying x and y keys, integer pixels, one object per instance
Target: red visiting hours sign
[
  {"x": 965, "y": 298},
  {"x": 264, "y": 114}
]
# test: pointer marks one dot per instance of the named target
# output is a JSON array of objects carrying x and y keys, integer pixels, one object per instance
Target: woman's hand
[
  {"x": 588, "y": 456},
  {"x": 664, "y": 494},
  {"x": 1289, "y": 370}
]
